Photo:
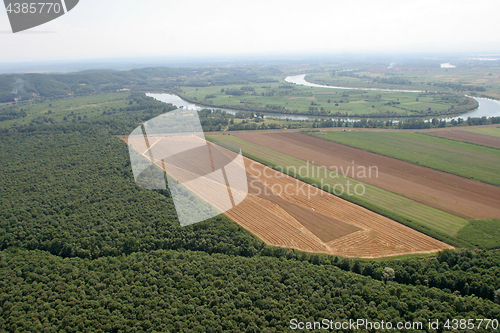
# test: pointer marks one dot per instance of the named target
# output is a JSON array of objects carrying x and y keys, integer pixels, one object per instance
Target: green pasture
[
  {"x": 482, "y": 233},
  {"x": 493, "y": 131}
]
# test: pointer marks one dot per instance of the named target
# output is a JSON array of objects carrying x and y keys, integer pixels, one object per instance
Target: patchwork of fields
[
  {"x": 454, "y": 157},
  {"x": 431, "y": 201},
  {"x": 492, "y": 131},
  {"x": 283, "y": 211},
  {"x": 415, "y": 214},
  {"x": 457, "y": 195},
  {"x": 471, "y": 137},
  {"x": 404, "y": 208}
]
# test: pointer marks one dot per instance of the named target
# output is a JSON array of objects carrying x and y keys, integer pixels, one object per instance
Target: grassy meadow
[
  {"x": 492, "y": 131},
  {"x": 482, "y": 233}
]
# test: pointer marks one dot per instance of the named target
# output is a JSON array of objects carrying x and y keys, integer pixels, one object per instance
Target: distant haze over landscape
[
  {"x": 378, "y": 60},
  {"x": 180, "y": 32}
]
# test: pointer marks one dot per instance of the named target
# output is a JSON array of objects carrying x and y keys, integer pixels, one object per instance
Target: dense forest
[
  {"x": 184, "y": 291},
  {"x": 83, "y": 249}
]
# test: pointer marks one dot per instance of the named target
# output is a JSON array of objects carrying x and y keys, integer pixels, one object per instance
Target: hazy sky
[{"x": 126, "y": 28}]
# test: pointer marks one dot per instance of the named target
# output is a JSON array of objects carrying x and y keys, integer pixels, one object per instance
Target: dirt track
[
  {"x": 480, "y": 139},
  {"x": 454, "y": 194}
]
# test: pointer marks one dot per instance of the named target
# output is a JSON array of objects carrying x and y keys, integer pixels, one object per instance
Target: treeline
[
  {"x": 238, "y": 92},
  {"x": 245, "y": 125},
  {"x": 141, "y": 102},
  {"x": 184, "y": 291},
  {"x": 217, "y": 120},
  {"x": 234, "y": 92},
  {"x": 392, "y": 80},
  {"x": 26, "y": 86},
  {"x": 457, "y": 86},
  {"x": 350, "y": 74},
  {"x": 405, "y": 124}
]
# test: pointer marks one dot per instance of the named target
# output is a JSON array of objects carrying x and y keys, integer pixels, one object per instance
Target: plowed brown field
[
  {"x": 480, "y": 139},
  {"x": 460, "y": 196}
]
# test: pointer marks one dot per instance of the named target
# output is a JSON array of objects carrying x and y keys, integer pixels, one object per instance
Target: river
[
  {"x": 300, "y": 80},
  {"x": 487, "y": 107},
  {"x": 179, "y": 102}
]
